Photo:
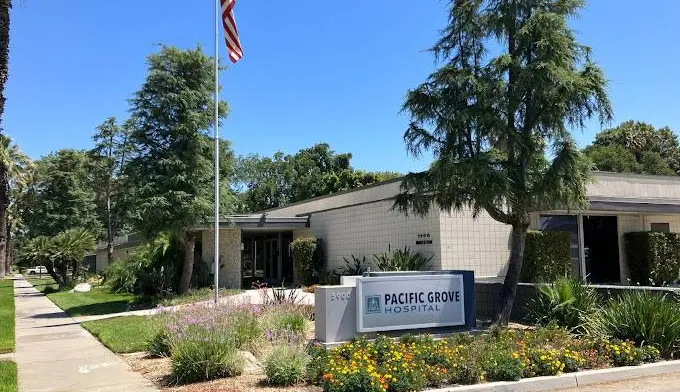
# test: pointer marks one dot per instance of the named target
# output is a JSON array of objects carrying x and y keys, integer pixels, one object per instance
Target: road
[{"x": 663, "y": 383}]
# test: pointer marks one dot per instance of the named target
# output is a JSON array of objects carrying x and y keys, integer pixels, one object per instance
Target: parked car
[{"x": 37, "y": 270}]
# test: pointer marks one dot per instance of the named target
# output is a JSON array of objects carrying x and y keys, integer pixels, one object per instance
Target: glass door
[{"x": 271, "y": 256}]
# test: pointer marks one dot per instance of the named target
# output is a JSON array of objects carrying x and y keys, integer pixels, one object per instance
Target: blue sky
[{"x": 332, "y": 71}]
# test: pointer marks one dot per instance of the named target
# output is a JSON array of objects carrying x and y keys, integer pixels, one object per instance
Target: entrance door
[
  {"x": 265, "y": 257},
  {"x": 271, "y": 261},
  {"x": 601, "y": 248}
]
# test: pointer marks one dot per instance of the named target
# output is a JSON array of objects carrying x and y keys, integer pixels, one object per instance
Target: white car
[{"x": 37, "y": 270}]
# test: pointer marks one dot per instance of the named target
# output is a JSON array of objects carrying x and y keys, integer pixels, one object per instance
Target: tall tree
[
  {"x": 636, "y": 147},
  {"x": 497, "y": 116},
  {"x": 171, "y": 167},
  {"x": 5, "y": 6},
  {"x": 61, "y": 195},
  {"x": 112, "y": 149},
  {"x": 283, "y": 179},
  {"x": 14, "y": 173}
]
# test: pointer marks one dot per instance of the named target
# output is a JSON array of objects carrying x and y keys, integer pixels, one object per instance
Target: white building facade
[{"x": 362, "y": 222}]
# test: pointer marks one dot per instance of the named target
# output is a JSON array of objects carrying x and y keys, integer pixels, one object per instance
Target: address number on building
[{"x": 341, "y": 296}]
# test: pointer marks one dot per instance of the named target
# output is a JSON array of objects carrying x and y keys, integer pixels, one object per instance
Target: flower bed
[
  {"x": 203, "y": 341},
  {"x": 415, "y": 363}
]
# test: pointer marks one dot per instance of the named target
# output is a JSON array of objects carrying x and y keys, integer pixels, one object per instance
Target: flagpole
[{"x": 217, "y": 9}]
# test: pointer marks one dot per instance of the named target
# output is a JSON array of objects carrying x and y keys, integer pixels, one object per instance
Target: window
[{"x": 661, "y": 227}]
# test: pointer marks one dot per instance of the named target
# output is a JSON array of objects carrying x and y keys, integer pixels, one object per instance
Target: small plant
[
  {"x": 624, "y": 353},
  {"x": 503, "y": 365},
  {"x": 402, "y": 260},
  {"x": 159, "y": 345},
  {"x": 355, "y": 266},
  {"x": 647, "y": 318},
  {"x": 572, "y": 359},
  {"x": 329, "y": 278},
  {"x": 204, "y": 358},
  {"x": 244, "y": 330},
  {"x": 286, "y": 365},
  {"x": 543, "y": 362},
  {"x": 284, "y": 325},
  {"x": 317, "y": 365},
  {"x": 277, "y": 295},
  {"x": 568, "y": 302}
]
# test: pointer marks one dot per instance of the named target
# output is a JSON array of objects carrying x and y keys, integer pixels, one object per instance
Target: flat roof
[
  {"x": 662, "y": 190},
  {"x": 260, "y": 221}
]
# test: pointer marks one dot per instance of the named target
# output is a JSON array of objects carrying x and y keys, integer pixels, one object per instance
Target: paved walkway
[{"x": 54, "y": 353}]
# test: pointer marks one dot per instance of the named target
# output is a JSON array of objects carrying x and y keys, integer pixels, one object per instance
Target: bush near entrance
[
  {"x": 547, "y": 256},
  {"x": 303, "y": 250},
  {"x": 653, "y": 258}
]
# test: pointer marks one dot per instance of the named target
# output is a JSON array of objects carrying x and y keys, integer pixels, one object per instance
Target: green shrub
[
  {"x": 153, "y": 269},
  {"x": 201, "y": 358},
  {"x": 245, "y": 330},
  {"x": 286, "y": 365},
  {"x": 547, "y": 256},
  {"x": 402, "y": 260},
  {"x": 354, "y": 266},
  {"x": 501, "y": 365},
  {"x": 292, "y": 322},
  {"x": 653, "y": 258},
  {"x": 317, "y": 364},
  {"x": 568, "y": 302},
  {"x": 121, "y": 275},
  {"x": 303, "y": 249},
  {"x": 543, "y": 362},
  {"x": 285, "y": 324},
  {"x": 644, "y": 317},
  {"x": 159, "y": 345}
]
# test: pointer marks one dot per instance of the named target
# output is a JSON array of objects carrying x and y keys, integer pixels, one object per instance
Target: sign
[{"x": 409, "y": 302}]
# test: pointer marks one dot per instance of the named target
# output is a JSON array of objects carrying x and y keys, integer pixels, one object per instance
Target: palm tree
[
  {"x": 5, "y": 6},
  {"x": 15, "y": 169}
]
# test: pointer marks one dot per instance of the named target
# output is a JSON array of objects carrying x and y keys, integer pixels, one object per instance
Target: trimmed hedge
[
  {"x": 653, "y": 257},
  {"x": 547, "y": 256},
  {"x": 303, "y": 250}
]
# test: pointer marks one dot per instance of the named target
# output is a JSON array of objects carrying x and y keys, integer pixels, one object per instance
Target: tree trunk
[
  {"x": 109, "y": 225},
  {"x": 57, "y": 278},
  {"x": 518, "y": 239},
  {"x": 188, "y": 269},
  {"x": 5, "y": 6},
  {"x": 4, "y": 202},
  {"x": 8, "y": 248}
]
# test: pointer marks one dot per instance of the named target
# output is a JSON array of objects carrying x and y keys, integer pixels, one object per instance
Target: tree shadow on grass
[{"x": 106, "y": 308}]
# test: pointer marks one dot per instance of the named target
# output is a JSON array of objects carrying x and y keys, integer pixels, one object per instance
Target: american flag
[{"x": 230, "y": 32}]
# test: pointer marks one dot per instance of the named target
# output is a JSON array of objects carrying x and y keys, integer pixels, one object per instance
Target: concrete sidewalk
[{"x": 54, "y": 353}]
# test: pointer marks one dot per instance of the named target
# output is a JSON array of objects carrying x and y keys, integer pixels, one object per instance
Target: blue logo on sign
[{"x": 372, "y": 304}]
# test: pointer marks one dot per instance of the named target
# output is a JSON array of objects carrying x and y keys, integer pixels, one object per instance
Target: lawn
[
  {"x": 45, "y": 285},
  {"x": 6, "y": 316},
  {"x": 125, "y": 334},
  {"x": 8, "y": 376},
  {"x": 97, "y": 301},
  {"x": 102, "y": 301}
]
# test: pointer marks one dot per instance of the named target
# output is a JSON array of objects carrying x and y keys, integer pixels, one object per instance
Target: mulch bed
[{"x": 158, "y": 371}]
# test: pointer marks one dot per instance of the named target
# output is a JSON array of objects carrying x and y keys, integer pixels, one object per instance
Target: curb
[{"x": 570, "y": 380}]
